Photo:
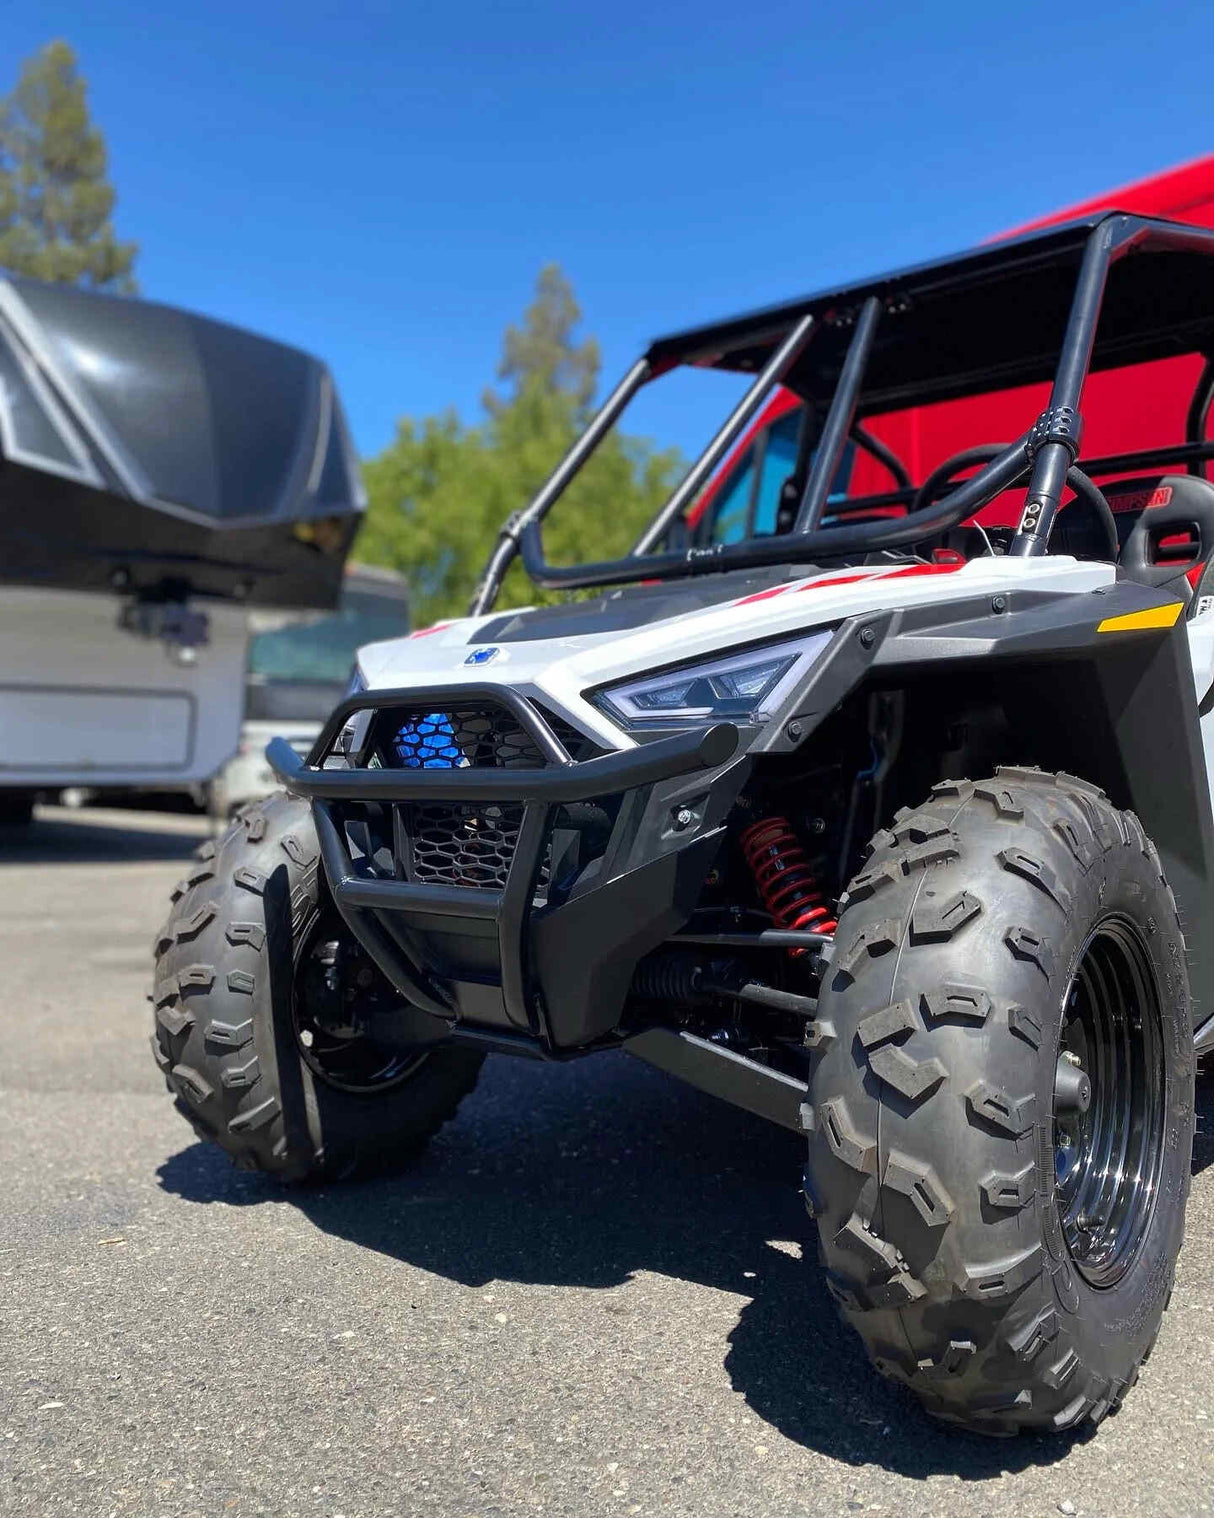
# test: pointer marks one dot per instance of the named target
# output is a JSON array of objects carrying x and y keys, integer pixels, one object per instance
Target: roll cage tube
[
  {"x": 1084, "y": 487},
  {"x": 1054, "y": 441},
  {"x": 839, "y": 419},
  {"x": 791, "y": 548},
  {"x": 773, "y": 371},
  {"x": 1199, "y": 414},
  {"x": 507, "y": 545},
  {"x": 1046, "y": 454},
  {"x": 525, "y": 527},
  {"x": 884, "y": 456}
]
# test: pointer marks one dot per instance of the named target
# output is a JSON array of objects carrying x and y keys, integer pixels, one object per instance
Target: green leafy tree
[
  {"x": 55, "y": 199},
  {"x": 440, "y": 492}
]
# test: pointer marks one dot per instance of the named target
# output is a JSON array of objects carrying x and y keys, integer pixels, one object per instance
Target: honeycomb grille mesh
[{"x": 462, "y": 843}]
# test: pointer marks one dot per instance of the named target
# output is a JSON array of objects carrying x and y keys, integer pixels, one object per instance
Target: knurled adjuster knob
[{"x": 1056, "y": 424}]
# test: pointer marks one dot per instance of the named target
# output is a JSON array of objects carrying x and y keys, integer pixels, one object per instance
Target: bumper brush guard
[{"x": 499, "y": 960}]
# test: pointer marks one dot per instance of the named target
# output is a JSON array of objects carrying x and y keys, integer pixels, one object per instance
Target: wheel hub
[
  {"x": 342, "y": 1008},
  {"x": 1109, "y": 1103}
]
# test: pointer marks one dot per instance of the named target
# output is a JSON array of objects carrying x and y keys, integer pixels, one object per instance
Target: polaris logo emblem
[{"x": 482, "y": 655}]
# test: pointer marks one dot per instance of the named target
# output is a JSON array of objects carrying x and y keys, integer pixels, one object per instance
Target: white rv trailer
[{"x": 160, "y": 474}]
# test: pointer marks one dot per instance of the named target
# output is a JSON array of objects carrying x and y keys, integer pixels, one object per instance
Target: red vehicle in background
[{"x": 1123, "y": 409}]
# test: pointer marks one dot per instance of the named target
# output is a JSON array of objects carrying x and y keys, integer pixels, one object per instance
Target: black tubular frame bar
[
  {"x": 1044, "y": 454},
  {"x": 838, "y": 425},
  {"x": 1110, "y": 240},
  {"x": 727, "y": 434},
  {"x": 507, "y": 545},
  {"x": 1199, "y": 415}
]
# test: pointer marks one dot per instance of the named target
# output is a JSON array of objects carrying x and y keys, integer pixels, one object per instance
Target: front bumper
[{"x": 520, "y": 958}]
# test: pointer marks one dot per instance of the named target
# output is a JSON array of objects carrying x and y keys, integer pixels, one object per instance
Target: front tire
[
  {"x": 1003, "y": 1253},
  {"x": 247, "y": 1071}
]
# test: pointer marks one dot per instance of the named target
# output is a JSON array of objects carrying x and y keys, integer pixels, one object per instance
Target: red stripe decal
[
  {"x": 923, "y": 569},
  {"x": 855, "y": 579},
  {"x": 840, "y": 580},
  {"x": 762, "y": 595}
]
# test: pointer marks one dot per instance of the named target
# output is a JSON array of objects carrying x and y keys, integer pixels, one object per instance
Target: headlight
[{"x": 745, "y": 687}]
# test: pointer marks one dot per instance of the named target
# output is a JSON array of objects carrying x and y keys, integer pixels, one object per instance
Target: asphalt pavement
[{"x": 596, "y": 1294}]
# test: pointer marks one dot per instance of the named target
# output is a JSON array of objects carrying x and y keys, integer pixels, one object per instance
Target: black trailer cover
[{"x": 145, "y": 449}]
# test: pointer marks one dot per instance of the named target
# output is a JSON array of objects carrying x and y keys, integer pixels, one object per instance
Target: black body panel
[{"x": 635, "y": 606}]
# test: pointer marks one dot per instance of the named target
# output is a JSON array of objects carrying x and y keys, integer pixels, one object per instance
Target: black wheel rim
[
  {"x": 1107, "y": 1160},
  {"x": 327, "y": 1021}
]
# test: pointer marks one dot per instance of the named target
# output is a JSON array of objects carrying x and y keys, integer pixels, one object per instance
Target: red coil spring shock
[{"x": 788, "y": 886}]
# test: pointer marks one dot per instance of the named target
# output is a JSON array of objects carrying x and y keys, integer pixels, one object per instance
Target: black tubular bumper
[
  {"x": 520, "y": 960},
  {"x": 661, "y": 760}
]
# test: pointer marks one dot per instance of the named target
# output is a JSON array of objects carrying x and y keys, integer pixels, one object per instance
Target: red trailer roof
[{"x": 1185, "y": 193}]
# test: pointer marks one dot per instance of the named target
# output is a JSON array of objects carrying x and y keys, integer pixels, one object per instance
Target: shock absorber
[{"x": 785, "y": 881}]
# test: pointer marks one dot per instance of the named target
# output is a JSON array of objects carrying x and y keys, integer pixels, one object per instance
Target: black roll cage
[{"x": 1044, "y": 455}]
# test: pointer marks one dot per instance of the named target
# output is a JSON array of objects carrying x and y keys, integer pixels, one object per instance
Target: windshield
[{"x": 323, "y": 648}]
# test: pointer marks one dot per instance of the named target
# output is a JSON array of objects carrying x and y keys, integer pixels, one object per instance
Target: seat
[{"x": 1168, "y": 538}]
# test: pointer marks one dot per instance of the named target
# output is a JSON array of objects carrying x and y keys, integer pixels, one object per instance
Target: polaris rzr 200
[{"x": 881, "y": 821}]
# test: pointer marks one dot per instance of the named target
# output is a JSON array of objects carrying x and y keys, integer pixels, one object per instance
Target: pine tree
[
  {"x": 55, "y": 199},
  {"x": 543, "y": 353}
]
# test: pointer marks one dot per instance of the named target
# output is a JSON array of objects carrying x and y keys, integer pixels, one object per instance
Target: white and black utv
[{"x": 876, "y": 824}]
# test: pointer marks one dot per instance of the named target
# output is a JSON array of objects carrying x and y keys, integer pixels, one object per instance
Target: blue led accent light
[{"x": 428, "y": 743}]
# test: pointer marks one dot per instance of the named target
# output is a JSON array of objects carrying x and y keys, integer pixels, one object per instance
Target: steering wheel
[{"x": 1084, "y": 487}]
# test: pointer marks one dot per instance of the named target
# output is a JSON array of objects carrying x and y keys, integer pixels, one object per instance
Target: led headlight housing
[{"x": 745, "y": 687}]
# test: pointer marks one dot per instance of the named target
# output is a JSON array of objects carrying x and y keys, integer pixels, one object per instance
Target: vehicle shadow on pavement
[
  {"x": 73, "y": 838},
  {"x": 584, "y": 1174}
]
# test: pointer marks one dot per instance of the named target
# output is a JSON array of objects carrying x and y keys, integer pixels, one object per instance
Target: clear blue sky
[{"x": 380, "y": 183}]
